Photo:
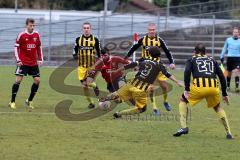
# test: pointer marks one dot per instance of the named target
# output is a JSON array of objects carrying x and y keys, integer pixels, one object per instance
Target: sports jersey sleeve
[
  {"x": 221, "y": 79},
  {"x": 224, "y": 50},
  {"x": 75, "y": 49},
  {"x": 17, "y": 47},
  {"x": 164, "y": 70},
  {"x": 39, "y": 49},
  {"x": 97, "y": 46},
  {"x": 98, "y": 65},
  {"x": 187, "y": 75},
  {"x": 131, "y": 65},
  {"x": 134, "y": 47},
  {"x": 119, "y": 59},
  {"x": 166, "y": 50}
]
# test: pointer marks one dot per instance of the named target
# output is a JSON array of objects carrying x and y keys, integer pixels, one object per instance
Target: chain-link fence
[{"x": 58, "y": 29}]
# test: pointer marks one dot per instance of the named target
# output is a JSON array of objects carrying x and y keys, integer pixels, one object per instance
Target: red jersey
[
  {"x": 28, "y": 48},
  {"x": 113, "y": 63}
]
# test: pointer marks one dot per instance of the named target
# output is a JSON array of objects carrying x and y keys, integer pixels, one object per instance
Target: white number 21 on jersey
[{"x": 205, "y": 65}]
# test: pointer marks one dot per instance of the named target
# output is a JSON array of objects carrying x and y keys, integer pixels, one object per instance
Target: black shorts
[
  {"x": 27, "y": 70},
  {"x": 233, "y": 63},
  {"x": 115, "y": 85}
]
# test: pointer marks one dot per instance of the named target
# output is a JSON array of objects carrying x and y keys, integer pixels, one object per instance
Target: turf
[{"x": 41, "y": 135}]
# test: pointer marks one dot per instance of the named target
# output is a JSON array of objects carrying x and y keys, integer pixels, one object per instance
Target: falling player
[
  {"x": 106, "y": 65},
  {"x": 136, "y": 89},
  {"x": 27, "y": 50},
  {"x": 204, "y": 71}
]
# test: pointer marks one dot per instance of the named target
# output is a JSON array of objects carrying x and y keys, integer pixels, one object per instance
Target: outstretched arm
[
  {"x": 187, "y": 75},
  {"x": 168, "y": 75},
  {"x": 167, "y": 51},
  {"x": 134, "y": 48},
  {"x": 221, "y": 79}
]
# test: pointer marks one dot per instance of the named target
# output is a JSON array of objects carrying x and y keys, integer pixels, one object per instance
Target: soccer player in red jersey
[
  {"x": 27, "y": 50},
  {"x": 106, "y": 66}
]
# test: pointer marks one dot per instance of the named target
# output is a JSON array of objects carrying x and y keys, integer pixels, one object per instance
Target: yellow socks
[
  {"x": 183, "y": 114},
  {"x": 223, "y": 118},
  {"x": 86, "y": 94},
  {"x": 93, "y": 85},
  {"x": 153, "y": 100},
  {"x": 165, "y": 97}
]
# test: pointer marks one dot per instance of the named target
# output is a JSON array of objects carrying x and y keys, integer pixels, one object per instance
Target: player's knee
[
  {"x": 151, "y": 89},
  {"x": 143, "y": 109},
  {"x": 217, "y": 108},
  {"x": 37, "y": 81},
  {"x": 164, "y": 86}
]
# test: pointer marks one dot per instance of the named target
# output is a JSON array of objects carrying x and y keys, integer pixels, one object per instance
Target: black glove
[{"x": 222, "y": 60}]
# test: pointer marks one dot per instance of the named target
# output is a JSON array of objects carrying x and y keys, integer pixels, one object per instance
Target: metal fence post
[
  {"x": 65, "y": 37},
  {"x": 199, "y": 14},
  {"x": 132, "y": 24},
  {"x": 104, "y": 21},
  {"x": 99, "y": 27},
  {"x": 168, "y": 14},
  {"x": 50, "y": 34},
  {"x": 213, "y": 35},
  {"x": 158, "y": 21},
  {"x": 16, "y": 6}
]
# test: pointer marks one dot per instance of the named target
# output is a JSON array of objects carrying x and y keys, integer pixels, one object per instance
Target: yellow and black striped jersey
[
  {"x": 204, "y": 71},
  {"x": 86, "y": 49},
  {"x": 149, "y": 68},
  {"x": 147, "y": 42}
]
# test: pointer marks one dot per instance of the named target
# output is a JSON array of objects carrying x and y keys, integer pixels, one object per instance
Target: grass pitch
[{"x": 40, "y": 135}]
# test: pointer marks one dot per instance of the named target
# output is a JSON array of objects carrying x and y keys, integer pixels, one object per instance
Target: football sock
[
  {"x": 183, "y": 114},
  {"x": 33, "y": 91},
  {"x": 223, "y": 119},
  {"x": 93, "y": 85},
  {"x": 165, "y": 97},
  {"x": 131, "y": 111},
  {"x": 15, "y": 88},
  {"x": 228, "y": 81},
  {"x": 237, "y": 81},
  {"x": 86, "y": 93},
  {"x": 89, "y": 99},
  {"x": 153, "y": 100}
]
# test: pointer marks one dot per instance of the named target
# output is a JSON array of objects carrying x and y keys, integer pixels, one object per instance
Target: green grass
[{"x": 33, "y": 136}]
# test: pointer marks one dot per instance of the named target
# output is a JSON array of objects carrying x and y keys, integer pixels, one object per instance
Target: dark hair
[
  {"x": 105, "y": 50},
  {"x": 29, "y": 20},
  {"x": 154, "y": 52},
  {"x": 200, "y": 49},
  {"x": 235, "y": 28}
]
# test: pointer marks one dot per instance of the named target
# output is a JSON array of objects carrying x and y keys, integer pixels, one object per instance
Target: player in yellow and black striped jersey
[
  {"x": 205, "y": 71},
  {"x": 136, "y": 89},
  {"x": 86, "y": 50},
  {"x": 152, "y": 39}
]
